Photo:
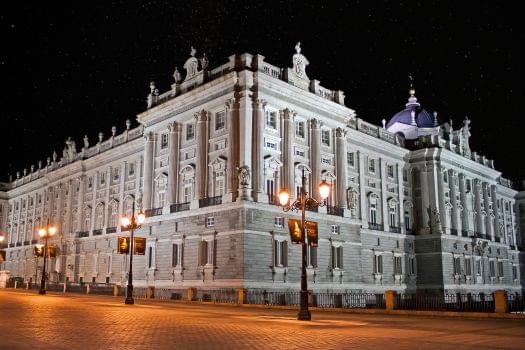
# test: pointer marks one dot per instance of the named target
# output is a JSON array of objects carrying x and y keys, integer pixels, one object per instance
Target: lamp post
[
  {"x": 2, "y": 237},
  {"x": 300, "y": 204},
  {"x": 132, "y": 223},
  {"x": 45, "y": 233}
]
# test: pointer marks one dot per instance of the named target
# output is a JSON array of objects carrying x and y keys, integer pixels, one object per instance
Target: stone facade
[{"x": 206, "y": 163}]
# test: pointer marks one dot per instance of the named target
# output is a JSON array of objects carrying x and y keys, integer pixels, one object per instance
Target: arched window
[
  {"x": 407, "y": 206},
  {"x": 128, "y": 206},
  {"x": 74, "y": 221},
  {"x": 392, "y": 213},
  {"x": 99, "y": 216},
  {"x": 372, "y": 208},
  {"x": 161, "y": 184},
  {"x": 113, "y": 214},
  {"x": 188, "y": 184},
  {"x": 87, "y": 219}
]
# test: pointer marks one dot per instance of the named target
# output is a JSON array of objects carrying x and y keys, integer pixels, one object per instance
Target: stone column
[
  {"x": 463, "y": 196},
  {"x": 441, "y": 198},
  {"x": 489, "y": 229},
  {"x": 494, "y": 197},
  {"x": 60, "y": 201},
  {"x": 69, "y": 207},
  {"x": 173, "y": 161},
  {"x": 454, "y": 224},
  {"x": 401, "y": 194},
  {"x": 147, "y": 187},
  {"x": 505, "y": 238},
  {"x": 201, "y": 176},
  {"x": 362, "y": 191},
  {"x": 384, "y": 204},
  {"x": 245, "y": 129},
  {"x": 476, "y": 189},
  {"x": 96, "y": 184},
  {"x": 80, "y": 201},
  {"x": 258, "y": 154},
  {"x": 513, "y": 223},
  {"x": 341, "y": 166},
  {"x": 122, "y": 189},
  {"x": 288, "y": 163},
  {"x": 232, "y": 113},
  {"x": 315, "y": 156},
  {"x": 424, "y": 224}
]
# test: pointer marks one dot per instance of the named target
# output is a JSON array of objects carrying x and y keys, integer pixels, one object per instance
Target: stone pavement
[{"x": 54, "y": 321}]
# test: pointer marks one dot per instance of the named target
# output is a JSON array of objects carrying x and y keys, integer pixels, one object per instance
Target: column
[
  {"x": 80, "y": 202},
  {"x": 201, "y": 176},
  {"x": 505, "y": 238},
  {"x": 122, "y": 189},
  {"x": 232, "y": 113},
  {"x": 147, "y": 187},
  {"x": 69, "y": 207},
  {"x": 173, "y": 161},
  {"x": 401, "y": 194},
  {"x": 315, "y": 156},
  {"x": 288, "y": 163},
  {"x": 384, "y": 205},
  {"x": 488, "y": 219},
  {"x": 424, "y": 223},
  {"x": 476, "y": 189},
  {"x": 341, "y": 166},
  {"x": 258, "y": 154},
  {"x": 495, "y": 232},
  {"x": 463, "y": 197},
  {"x": 60, "y": 201},
  {"x": 441, "y": 198},
  {"x": 513, "y": 223},
  {"x": 362, "y": 191},
  {"x": 454, "y": 222},
  {"x": 96, "y": 183}
]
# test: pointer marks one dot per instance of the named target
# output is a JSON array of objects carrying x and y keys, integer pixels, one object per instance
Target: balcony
[
  {"x": 497, "y": 239},
  {"x": 209, "y": 201},
  {"x": 394, "y": 229},
  {"x": 33, "y": 241},
  {"x": 333, "y": 210},
  {"x": 27, "y": 242},
  {"x": 480, "y": 235},
  {"x": 174, "y": 208},
  {"x": 97, "y": 232},
  {"x": 464, "y": 233},
  {"x": 111, "y": 230},
  {"x": 18, "y": 244},
  {"x": 512, "y": 247},
  {"x": 83, "y": 234},
  {"x": 10, "y": 245},
  {"x": 375, "y": 226},
  {"x": 153, "y": 212},
  {"x": 454, "y": 231}
]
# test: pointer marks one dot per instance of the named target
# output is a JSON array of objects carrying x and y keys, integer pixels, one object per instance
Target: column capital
[
  {"x": 231, "y": 103},
  {"x": 315, "y": 123},
  {"x": 201, "y": 116},
  {"x": 150, "y": 136},
  {"x": 288, "y": 114},
  {"x": 175, "y": 127},
  {"x": 258, "y": 103},
  {"x": 340, "y": 132}
]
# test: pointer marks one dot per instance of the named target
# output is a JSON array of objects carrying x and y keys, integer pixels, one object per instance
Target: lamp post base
[
  {"x": 42, "y": 291},
  {"x": 304, "y": 315},
  {"x": 129, "y": 301}
]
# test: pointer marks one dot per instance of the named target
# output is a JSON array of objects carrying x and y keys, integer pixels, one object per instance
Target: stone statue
[
  {"x": 177, "y": 76},
  {"x": 204, "y": 62},
  {"x": 86, "y": 141},
  {"x": 299, "y": 62},
  {"x": 434, "y": 220},
  {"x": 465, "y": 136},
  {"x": 244, "y": 175},
  {"x": 191, "y": 65},
  {"x": 352, "y": 199}
]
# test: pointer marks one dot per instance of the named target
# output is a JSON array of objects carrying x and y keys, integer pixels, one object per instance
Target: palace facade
[{"x": 411, "y": 206}]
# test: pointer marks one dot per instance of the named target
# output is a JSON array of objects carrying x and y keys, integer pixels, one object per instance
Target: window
[
  {"x": 468, "y": 267},
  {"x": 311, "y": 256},
  {"x": 188, "y": 192},
  {"x": 398, "y": 265},
  {"x": 334, "y": 229},
  {"x": 478, "y": 267},
  {"x": 131, "y": 169},
  {"x": 164, "y": 141},
  {"x": 500, "y": 268},
  {"x": 457, "y": 266},
  {"x": 271, "y": 145},
  {"x": 175, "y": 253},
  {"x": 392, "y": 215},
  {"x": 492, "y": 268},
  {"x": 468, "y": 185},
  {"x": 390, "y": 171},
  {"x": 190, "y": 132},
  {"x": 299, "y": 152},
  {"x": 405, "y": 175},
  {"x": 407, "y": 220},
  {"x": 161, "y": 196},
  {"x": 113, "y": 214},
  {"x": 280, "y": 254},
  {"x": 445, "y": 177},
  {"x": 220, "y": 145},
  {"x": 378, "y": 264},
  {"x": 220, "y": 120},
  {"x": 514, "y": 272},
  {"x": 210, "y": 221},
  {"x": 299, "y": 129},
  {"x": 325, "y": 137},
  {"x": 102, "y": 178},
  {"x": 326, "y": 160},
  {"x": 116, "y": 174},
  {"x": 350, "y": 158},
  {"x": 278, "y": 221},
  {"x": 372, "y": 165},
  {"x": 205, "y": 253},
  {"x": 90, "y": 182},
  {"x": 270, "y": 189},
  {"x": 271, "y": 120},
  {"x": 219, "y": 183},
  {"x": 412, "y": 265},
  {"x": 337, "y": 257},
  {"x": 373, "y": 213}
]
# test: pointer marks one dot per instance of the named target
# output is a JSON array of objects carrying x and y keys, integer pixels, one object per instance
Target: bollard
[
  {"x": 65, "y": 288},
  {"x": 16, "y": 282},
  {"x": 389, "y": 299},
  {"x": 115, "y": 290},
  {"x": 190, "y": 294},
  {"x": 150, "y": 292},
  {"x": 27, "y": 285},
  {"x": 240, "y": 296},
  {"x": 500, "y": 301},
  {"x": 87, "y": 289}
]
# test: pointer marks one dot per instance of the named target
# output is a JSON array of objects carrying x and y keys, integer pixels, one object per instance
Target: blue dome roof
[{"x": 423, "y": 118}]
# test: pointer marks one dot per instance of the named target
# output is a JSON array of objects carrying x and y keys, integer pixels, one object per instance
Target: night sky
[{"x": 78, "y": 68}]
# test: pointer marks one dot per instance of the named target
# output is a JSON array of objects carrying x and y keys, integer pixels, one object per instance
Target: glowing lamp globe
[
  {"x": 324, "y": 189},
  {"x": 141, "y": 218},
  {"x": 284, "y": 197},
  {"x": 125, "y": 221}
]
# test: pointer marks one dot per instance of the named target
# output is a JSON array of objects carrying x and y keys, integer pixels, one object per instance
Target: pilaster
[
  {"x": 315, "y": 156},
  {"x": 147, "y": 188},
  {"x": 175, "y": 130},
  {"x": 287, "y": 153},
  {"x": 341, "y": 167},
  {"x": 257, "y": 145}
]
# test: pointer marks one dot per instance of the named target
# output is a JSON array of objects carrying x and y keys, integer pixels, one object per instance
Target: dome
[{"x": 422, "y": 118}]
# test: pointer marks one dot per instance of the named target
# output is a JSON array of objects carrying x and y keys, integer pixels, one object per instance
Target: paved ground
[{"x": 53, "y": 321}]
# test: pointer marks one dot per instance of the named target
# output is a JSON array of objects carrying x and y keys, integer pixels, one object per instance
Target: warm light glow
[
  {"x": 284, "y": 197},
  {"x": 125, "y": 221},
  {"x": 2, "y": 238},
  {"x": 42, "y": 232},
  {"x": 52, "y": 230},
  {"x": 140, "y": 218},
  {"x": 324, "y": 189}
]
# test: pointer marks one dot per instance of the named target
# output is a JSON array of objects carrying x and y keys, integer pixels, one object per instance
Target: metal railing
[
  {"x": 83, "y": 234},
  {"x": 153, "y": 212},
  {"x": 101, "y": 289},
  {"x": 170, "y": 294},
  {"x": 516, "y": 303},
  {"x": 263, "y": 297},
  {"x": 209, "y": 201},
  {"x": 349, "y": 300},
  {"x": 333, "y": 210},
  {"x": 445, "y": 302},
  {"x": 111, "y": 230},
  {"x": 395, "y": 229},
  {"x": 375, "y": 226},
  {"x": 464, "y": 233},
  {"x": 97, "y": 232},
  {"x": 216, "y": 295},
  {"x": 454, "y": 231},
  {"x": 179, "y": 207},
  {"x": 27, "y": 242}
]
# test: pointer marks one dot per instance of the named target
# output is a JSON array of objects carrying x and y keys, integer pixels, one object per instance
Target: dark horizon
[{"x": 79, "y": 70}]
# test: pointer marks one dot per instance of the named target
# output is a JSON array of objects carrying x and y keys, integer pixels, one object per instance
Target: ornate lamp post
[
  {"x": 132, "y": 223},
  {"x": 300, "y": 204},
  {"x": 2, "y": 237},
  {"x": 45, "y": 233}
]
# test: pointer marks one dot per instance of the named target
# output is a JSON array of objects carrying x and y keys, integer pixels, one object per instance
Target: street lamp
[
  {"x": 300, "y": 204},
  {"x": 45, "y": 233},
  {"x": 132, "y": 223}
]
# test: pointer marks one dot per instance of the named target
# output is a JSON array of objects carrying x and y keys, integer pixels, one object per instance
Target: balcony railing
[
  {"x": 497, "y": 239},
  {"x": 111, "y": 230},
  {"x": 375, "y": 226},
  {"x": 512, "y": 247},
  {"x": 33, "y": 241},
  {"x": 10, "y": 245},
  {"x": 464, "y": 233},
  {"x": 18, "y": 244},
  {"x": 394, "y": 229},
  {"x": 153, "y": 212},
  {"x": 454, "y": 231},
  {"x": 83, "y": 234},
  {"x": 333, "y": 210},
  {"x": 97, "y": 232},
  {"x": 209, "y": 201},
  {"x": 27, "y": 242},
  {"x": 481, "y": 235},
  {"x": 179, "y": 207}
]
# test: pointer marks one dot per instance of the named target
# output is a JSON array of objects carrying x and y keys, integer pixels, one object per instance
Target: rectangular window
[
  {"x": 492, "y": 268},
  {"x": 500, "y": 268},
  {"x": 398, "y": 265},
  {"x": 220, "y": 120},
  {"x": 204, "y": 250},
  {"x": 271, "y": 120},
  {"x": 299, "y": 129},
  {"x": 150, "y": 257},
  {"x": 102, "y": 178},
  {"x": 190, "y": 132},
  {"x": 378, "y": 264},
  {"x": 131, "y": 169},
  {"x": 175, "y": 255},
  {"x": 311, "y": 256},
  {"x": 210, "y": 221},
  {"x": 468, "y": 185},
  {"x": 278, "y": 221},
  {"x": 445, "y": 177},
  {"x": 407, "y": 220},
  {"x": 412, "y": 265},
  {"x": 188, "y": 193},
  {"x": 468, "y": 267},
  {"x": 325, "y": 137},
  {"x": 390, "y": 171},
  {"x": 116, "y": 174},
  {"x": 325, "y": 160},
  {"x": 457, "y": 266},
  {"x": 337, "y": 257},
  {"x": 478, "y": 267},
  {"x": 164, "y": 141},
  {"x": 372, "y": 165},
  {"x": 405, "y": 175},
  {"x": 299, "y": 152},
  {"x": 335, "y": 229},
  {"x": 373, "y": 214},
  {"x": 514, "y": 272},
  {"x": 90, "y": 182},
  {"x": 280, "y": 253},
  {"x": 350, "y": 158},
  {"x": 271, "y": 145}
]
